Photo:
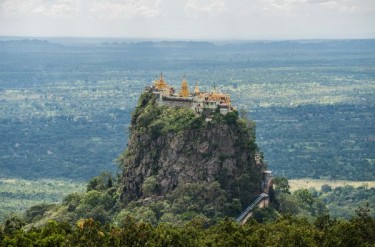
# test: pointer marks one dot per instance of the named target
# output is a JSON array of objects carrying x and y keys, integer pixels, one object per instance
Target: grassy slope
[
  {"x": 16, "y": 195},
  {"x": 308, "y": 183},
  {"x": 344, "y": 198}
]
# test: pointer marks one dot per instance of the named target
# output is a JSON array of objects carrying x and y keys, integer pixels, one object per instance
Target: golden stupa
[{"x": 184, "y": 89}]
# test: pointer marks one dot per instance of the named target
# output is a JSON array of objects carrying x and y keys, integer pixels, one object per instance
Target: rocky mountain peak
[{"x": 171, "y": 148}]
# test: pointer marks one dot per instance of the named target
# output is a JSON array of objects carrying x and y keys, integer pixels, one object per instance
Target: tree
[
  {"x": 72, "y": 201},
  {"x": 244, "y": 114},
  {"x": 36, "y": 212},
  {"x": 326, "y": 188},
  {"x": 149, "y": 186},
  {"x": 305, "y": 196},
  {"x": 13, "y": 224},
  {"x": 226, "y": 233},
  {"x": 281, "y": 184},
  {"x": 102, "y": 182},
  {"x": 88, "y": 233}
]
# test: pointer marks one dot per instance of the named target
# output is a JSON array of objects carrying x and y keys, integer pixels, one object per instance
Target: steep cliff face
[{"x": 170, "y": 147}]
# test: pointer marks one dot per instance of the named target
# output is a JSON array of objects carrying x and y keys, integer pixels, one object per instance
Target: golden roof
[
  {"x": 218, "y": 97},
  {"x": 196, "y": 89},
  {"x": 184, "y": 89},
  {"x": 161, "y": 84}
]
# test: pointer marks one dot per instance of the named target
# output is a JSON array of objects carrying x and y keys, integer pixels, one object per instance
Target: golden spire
[
  {"x": 160, "y": 85},
  {"x": 196, "y": 89},
  {"x": 184, "y": 88}
]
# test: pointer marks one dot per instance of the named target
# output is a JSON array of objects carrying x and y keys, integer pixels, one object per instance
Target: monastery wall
[{"x": 180, "y": 104}]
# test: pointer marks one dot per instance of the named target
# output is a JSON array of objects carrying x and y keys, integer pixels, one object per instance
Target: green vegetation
[
  {"x": 70, "y": 130},
  {"x": 17, "y": 195},
  {"x": 205, "y": 200},
  {"x": 308, "y": 183},
  {"x": 342, "y": 201},
  {"x": 160, "y": 120},
  {"x": 317, "y": 141},
  {"x": 186, "y": 201},
  {"x": 285, "y": 231},
  {"x": 338, "y": 202},
  {"x": 183, "y": 204},
  {"x": 94, "y": 218}
]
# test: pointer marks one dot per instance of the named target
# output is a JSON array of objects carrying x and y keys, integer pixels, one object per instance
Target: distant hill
[
  {"x": 34, "y": 45},
  {"x": 26, "y": 43}
]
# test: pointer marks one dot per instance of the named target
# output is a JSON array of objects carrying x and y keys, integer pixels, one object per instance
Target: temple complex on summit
[{"x": 204, "y": 103}]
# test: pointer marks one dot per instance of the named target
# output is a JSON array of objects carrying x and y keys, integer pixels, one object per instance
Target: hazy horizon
[
  {"x": 189, "y": 19},
  {"x": 145, "y": 39}
]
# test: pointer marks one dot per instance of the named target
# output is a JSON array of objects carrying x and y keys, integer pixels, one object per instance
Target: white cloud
[
  {"x": 207, "y": 8},
  {"x": 125, "y": 9},
  {"x": 190, "y": 18},
  {"x": 39, "y": 8},
  {"x": 102, "y": 9}
]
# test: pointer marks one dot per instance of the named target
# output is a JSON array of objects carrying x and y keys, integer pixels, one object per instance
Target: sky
[{"x": 190, "y": 19}]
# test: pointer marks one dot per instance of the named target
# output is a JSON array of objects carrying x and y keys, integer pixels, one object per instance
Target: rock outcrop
[{"x": 169, "y": 147}]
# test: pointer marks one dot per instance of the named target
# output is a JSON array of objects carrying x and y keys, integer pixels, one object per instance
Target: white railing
[{"x": 250, "y": 208}]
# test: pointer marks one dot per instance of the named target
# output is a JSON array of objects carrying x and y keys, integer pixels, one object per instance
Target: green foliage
[
  {"x": 13, "y": 224},
  {"x": 226, "y": 233},
  {"x": 243, "y": 113},
  {"x": 146, "y": 112},
  {"x": 319, "y": 141},
  {"x": 36, "y": 212},
  {"x": 247, "y": 182},
  {"x": 281, "y": 185},
  {"x": 343, "y": 200},
  {"x": 206, "y": 198},
  {"x": 17, "y": 195},
  {"x": 187, "y": 202},
  {"x": 300, "y": 202},
  {"x": 263, "y": 215},
  {"x": 287, "y": 204},
  {"x": 94, "y": 198},
  {"x": 96, "y": 205},
  {"x": 148, "y": 116},
  {"x": 140, "y": 214},
  {"x": 249, "y": 127},
  {"x": 284, "y": 231},
  {"x": 101, "y": 183},
  {"x": 174, "y": 120},
  {"x": 326, "y": 188},
  {"x": 149, "y": 186},
  {"x": 198, "y": 122},
  {"x": 233, "y": 208},
  {"x": 305, "y": 196},
  {"x": 231, "y": 117},
  {"x": 72, "y": 201}
]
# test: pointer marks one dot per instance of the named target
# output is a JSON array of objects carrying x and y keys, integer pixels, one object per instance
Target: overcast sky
[{"x": 189, "y": 19}]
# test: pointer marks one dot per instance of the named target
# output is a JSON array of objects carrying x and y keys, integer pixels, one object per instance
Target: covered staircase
[
  {"x": 249, "y": 210},
  {"x": 262, "y": 200}
]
